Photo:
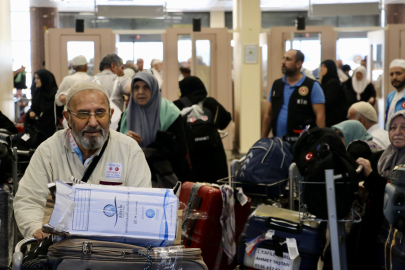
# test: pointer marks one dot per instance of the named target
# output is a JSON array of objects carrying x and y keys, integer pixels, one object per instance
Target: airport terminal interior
[{"x": 275, "y": 129}]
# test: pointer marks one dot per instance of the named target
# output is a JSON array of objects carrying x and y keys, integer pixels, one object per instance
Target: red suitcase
[{"x": 204, "y": 230}]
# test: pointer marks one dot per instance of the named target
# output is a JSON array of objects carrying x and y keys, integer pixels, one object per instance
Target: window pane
[
  {"x": 21, "y": 53},
  {"x": 184, "y": 49},
  {"x": 349, "y": 48},
  {"x": 85, "y": 48},
  {"x": 148, "y": 51},
  {"x": 126, "y": 51},
  {"x": 310, "y": 45},
  {"x": 20, "y": 5},
  {"x": 20, "y": 26},
  {"x": 203, "y": 52}
]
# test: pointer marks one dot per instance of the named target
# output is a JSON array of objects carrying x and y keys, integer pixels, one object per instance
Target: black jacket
[{"x": 335, "y": 103}]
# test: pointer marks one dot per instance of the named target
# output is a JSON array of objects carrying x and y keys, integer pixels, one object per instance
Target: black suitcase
[
  {"x": 391, "y": 251},
  {"x": 282, "y": 224},
  {"x": 6, "y": 226}
]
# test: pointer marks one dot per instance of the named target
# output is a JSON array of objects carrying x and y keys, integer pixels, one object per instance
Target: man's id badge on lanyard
[{"x": 113, "y": 170}]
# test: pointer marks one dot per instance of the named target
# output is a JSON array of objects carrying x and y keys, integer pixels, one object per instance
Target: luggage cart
[
  {"x": 18, "y": 256},
  {"x": 258, "y": 198},
  {"x": 336, "y": 227}
]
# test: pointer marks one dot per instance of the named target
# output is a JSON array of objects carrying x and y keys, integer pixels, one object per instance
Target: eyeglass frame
[{"x": 90, "y": 114}]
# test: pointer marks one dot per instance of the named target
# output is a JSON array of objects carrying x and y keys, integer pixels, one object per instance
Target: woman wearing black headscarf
[
  {"x": 211, "y": 165},
  {"x": 41, "y": 120},
  {"x": 335, "y": 101}
]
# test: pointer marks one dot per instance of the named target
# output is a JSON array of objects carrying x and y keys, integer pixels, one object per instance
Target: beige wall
[
  {"x": 217, "y": 19},
  {"x": 6, "y": 78},
  {"x": 247, "y": 79}
]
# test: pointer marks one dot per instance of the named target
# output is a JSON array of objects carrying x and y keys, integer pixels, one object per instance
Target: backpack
[
  {"x": 201, "y": 132},
  {"x": 317, "y": 150},
  {"x": 267, "y": 162}
]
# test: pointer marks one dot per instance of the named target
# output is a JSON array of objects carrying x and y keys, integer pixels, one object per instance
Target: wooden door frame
[
  {"x": 223, "y": 65},
  {"x": 275, "y": 46},
  {"x": 53, "y": 48}
]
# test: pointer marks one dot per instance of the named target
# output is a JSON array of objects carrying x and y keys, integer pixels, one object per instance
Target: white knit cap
[
  {"x": 398, "y": 63},
  {"x": 156, "y": 61},
  {"x": 366, "y": 109},
  {"x": 79, "y": 61},
  {"x": 86, "y": 86}
]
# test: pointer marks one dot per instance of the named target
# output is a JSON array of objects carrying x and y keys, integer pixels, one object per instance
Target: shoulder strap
[
  {"x": 93, "y": 164},
  {"x": 186, "y": 102}
]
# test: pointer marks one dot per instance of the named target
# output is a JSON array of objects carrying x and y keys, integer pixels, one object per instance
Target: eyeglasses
[{"x": 87, "y": 115}]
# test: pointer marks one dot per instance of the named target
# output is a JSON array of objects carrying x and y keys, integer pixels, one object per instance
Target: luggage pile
[
  {"x": 135, "y": 229},
  {"x": 213, "y": 221},
  {"x": 263, "y": 172},
  {"x": 275, "y": 238}
]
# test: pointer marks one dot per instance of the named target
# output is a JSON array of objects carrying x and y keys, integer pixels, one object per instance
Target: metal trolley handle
[{"x": 18, "y": 256}]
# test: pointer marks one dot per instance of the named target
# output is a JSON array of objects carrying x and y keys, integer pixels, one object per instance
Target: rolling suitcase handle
[{"x": 283, "y": 225}]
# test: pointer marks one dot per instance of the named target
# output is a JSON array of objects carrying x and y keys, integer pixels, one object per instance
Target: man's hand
[
  {"x": 39, "y": 235},
  {"x": 134, "y": 136},
  {"x": 32, "y": 115}
]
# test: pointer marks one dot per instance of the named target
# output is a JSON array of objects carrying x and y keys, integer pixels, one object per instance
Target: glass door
[
  {"x": 310, "y": 45},
  {"x": 72, "y": 46},
  {"x": 203, "y": 59}
]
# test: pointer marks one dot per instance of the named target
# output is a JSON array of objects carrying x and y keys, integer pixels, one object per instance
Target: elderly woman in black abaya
[
  {"x": 335, "y": 101},
  {"x": 210, "y": 164},
  {"x": 41, "y": 122}
]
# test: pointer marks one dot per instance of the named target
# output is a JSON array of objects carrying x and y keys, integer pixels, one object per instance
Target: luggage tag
[
  {"x": 241, "y": 197},
  {"x": 269, "y": 234},
  {"x": 26, "y": 137},
  {"x": 292, "y": 248},
  {"x": 293, "y": 253}
]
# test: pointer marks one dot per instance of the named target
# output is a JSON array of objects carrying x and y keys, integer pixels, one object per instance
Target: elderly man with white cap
[
  {"x": 156, "y": 70},
  {"x": 79, "y": 64},
  {"x": 396, "y": 100},
  {"x": 365, "y": 113},
  {"x": 88, "y": 150}
]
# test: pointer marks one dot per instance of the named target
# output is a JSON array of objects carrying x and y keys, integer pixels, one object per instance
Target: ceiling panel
[{"x": 189, "y": 5}]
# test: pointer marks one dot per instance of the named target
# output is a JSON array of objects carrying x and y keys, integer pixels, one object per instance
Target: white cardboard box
[{"x": 142, "y": 216}]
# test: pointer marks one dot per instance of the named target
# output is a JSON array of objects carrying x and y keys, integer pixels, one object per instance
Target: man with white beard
[{"x": 88, "y": 150}]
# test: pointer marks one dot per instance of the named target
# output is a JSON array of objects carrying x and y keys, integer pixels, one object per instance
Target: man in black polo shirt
[{"x": 294, "y": 100}]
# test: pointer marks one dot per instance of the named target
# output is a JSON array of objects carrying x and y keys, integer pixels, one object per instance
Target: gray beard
[{"x": 90, "y": 143}]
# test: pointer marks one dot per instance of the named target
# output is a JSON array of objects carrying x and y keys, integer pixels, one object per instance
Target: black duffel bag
[{"x": 317, "y": 150}]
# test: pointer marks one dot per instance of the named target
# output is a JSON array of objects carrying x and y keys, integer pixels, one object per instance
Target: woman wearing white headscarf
[
  {"x": 359, "y": 88},
  {"x": 156, "y": 123}
]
